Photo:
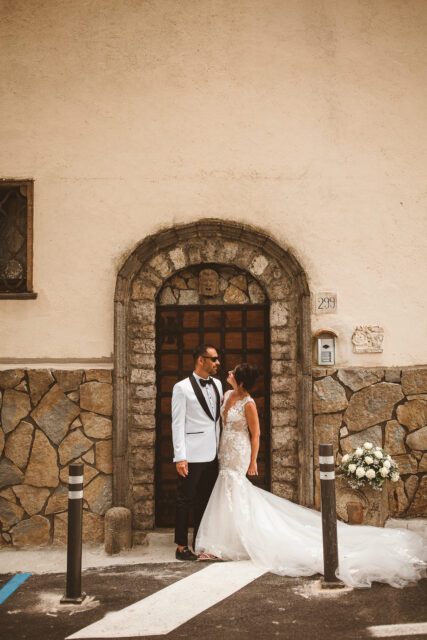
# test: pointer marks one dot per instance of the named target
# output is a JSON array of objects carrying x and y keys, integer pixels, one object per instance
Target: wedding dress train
[{"x": 242, "y": 521}]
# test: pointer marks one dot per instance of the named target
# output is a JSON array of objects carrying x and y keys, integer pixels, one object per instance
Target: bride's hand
[{"x": 253, "y": 469}]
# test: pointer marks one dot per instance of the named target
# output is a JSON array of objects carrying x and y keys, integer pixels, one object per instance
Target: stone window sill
[{"x": 28, "y": 295}]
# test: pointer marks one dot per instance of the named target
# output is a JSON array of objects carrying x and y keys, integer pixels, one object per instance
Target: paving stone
[
  {"x": 73, "y": 446},
  {"x": 69, "y": 380},
  {"x": 394, "y": 442},
  {"x": 326, "y": 431},
  {"x": 2, "y": 440},
  {"x": 104, "y": 456},
  {"x": 278, "y": 314},
  {"x": 10, "y": 513},
  {"x": 178, "y": 258},
  {"x": 422, "y": 465},
  {"x": 99, "y": 494},
  {"x": 419, "y": 504},
  {"x": 58, "y": 501},
  {"x": 143, "y": 438},
  {"x": 188, "y": 297},
  {"x": 9, "y": 473},
  {"x": 407, "y": 463},
  {"x": 19, "y": 443},
  {"x": 411, "y": 485},
  {"x": 11, "y": 378},
  {"x": 32, "y": 532},
  {"x": 97, "y": 397},
  {"x": 414, "y": 381},
  {"x": 55, "y": 413},
  {"x": 96, "y": 426},
  {"x": 142, "y": 376},
  {"x": 40, "y": 380},
  {"x": 233, "y": 295},
  {"x": 392, "y": 375},
  {"x": 92, "y": 531},
  {"x": 258, "y": 265},
  {"x": 413, "y": 414},
  {"x": 142, "y": 290},
  {"x": 42, "y": 470},
  {"x": 357, "y": 379},
  {"x": 372, "y": 434},
  {"x": 328, "y": 396},
  {"x": 256, "y": 294},
  {"x": 16, "y": 406},
  {"x": 99, "y": 375},
  {"x": 32, "y": 498},
  {"x": 146, "y": 391},
  {"x": 8, "y": 494},
  {"x": 372, "y": 405},
  {"x": 418, "y": 440}
]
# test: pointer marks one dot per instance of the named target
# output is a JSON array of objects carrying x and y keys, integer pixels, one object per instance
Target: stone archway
[{"x": 151, "y": 263}]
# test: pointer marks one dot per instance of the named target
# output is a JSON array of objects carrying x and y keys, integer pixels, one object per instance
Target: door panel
[{"x": 241, "y": 334}]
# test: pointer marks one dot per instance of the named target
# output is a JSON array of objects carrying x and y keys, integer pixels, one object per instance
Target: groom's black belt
[{"x": 201, "y": 398}]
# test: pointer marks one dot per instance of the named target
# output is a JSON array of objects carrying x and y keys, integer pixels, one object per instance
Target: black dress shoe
[{"x": 185, "y": 554}]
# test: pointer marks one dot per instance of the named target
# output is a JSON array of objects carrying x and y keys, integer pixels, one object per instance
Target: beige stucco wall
[{"x": 303, "y": 117}]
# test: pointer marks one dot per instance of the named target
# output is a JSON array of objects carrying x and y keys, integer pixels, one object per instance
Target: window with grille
[{"x": 16, "y": 239}]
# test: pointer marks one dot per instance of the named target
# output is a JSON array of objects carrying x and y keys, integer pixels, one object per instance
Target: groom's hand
[{"x": 182, "y": 468}]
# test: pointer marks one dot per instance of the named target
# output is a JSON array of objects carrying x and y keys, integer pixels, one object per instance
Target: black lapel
[
  {"x": 218, "y": 401},
  {"x": 200, "y": 397}
]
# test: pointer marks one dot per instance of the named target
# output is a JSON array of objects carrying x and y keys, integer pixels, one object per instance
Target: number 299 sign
[{"x": 325, "y": 302}]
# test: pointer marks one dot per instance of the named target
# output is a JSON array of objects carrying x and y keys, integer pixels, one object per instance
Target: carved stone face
[{"x": 208, "y": 282}]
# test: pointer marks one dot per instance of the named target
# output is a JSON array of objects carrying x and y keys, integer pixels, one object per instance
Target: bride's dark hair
[{"x": 246, "y": 374}]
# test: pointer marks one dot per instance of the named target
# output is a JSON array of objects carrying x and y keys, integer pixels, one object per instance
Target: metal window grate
[{"x": 15, "y": 238}]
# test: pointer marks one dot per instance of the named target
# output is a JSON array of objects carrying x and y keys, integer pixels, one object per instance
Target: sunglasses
[{"x": 212, "y": 358}]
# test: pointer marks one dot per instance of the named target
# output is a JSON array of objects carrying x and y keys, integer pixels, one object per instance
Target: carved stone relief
[{"x": 368, "y": 339}]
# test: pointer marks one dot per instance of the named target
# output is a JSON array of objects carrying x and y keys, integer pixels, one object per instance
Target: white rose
[
  {"x": 378, "y": 454},
  {"x": 352, "y": 468},
  {"x": 359, "y": 452},
  {"x": 395, "y": 476},
  {"x": 369, "y": 460},
  {"x": 368, "y": 445},
  {"x": 370, "y": 474},
  {"x": 345, "y": 458},
  {"x": 384, "y": 472},
  {"x": 360, "y": 472},
  {"x": 387, "y": 464}
]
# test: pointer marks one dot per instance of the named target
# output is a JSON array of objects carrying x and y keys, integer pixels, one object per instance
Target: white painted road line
[
  {"x": 393, "y": 630},
  {"x": 167, "y": 609}
]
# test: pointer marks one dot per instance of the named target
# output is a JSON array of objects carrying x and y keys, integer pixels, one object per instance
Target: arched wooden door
[{"x": 241, "y": 334}]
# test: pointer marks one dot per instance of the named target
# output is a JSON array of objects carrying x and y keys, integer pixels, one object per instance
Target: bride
[{"x": 242, "y": 521}]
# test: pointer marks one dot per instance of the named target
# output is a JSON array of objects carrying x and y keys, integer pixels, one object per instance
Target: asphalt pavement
[{"x": 268, "y": 607}]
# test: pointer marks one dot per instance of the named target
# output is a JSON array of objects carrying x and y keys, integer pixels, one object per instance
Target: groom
[{"x": 196, "y": 403}]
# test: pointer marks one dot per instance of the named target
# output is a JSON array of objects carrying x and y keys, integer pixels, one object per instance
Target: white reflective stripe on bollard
[
  {"x": 327, "y": 475},
  {"x": 326, "y": 460},
  {"x": 75, "y": 479},
  {"x": 75, "y": 495}
]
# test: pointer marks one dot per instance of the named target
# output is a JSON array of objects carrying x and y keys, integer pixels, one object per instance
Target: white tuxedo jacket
[{"x": 195, "y": 435}]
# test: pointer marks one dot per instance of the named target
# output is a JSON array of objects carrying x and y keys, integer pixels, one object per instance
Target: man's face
[{"x": 210, "y": 361}]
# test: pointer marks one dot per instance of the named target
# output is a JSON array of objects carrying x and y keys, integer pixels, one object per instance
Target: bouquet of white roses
[{"x": 368, "y": 465}]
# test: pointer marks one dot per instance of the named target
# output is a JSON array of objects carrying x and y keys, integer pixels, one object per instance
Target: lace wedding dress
[{"x": 242, "y": 521}]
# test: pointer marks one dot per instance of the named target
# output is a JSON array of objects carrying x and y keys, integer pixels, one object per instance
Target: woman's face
[{"x": 231, "y": 379}]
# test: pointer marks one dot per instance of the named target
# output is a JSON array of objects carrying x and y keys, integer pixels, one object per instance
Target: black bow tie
[{"x": 205, "y": 382}]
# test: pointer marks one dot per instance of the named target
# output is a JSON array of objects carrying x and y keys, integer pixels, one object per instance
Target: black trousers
[{"x": 193, "y": 494}]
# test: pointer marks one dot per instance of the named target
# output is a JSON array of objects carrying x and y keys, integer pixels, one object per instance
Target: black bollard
[
  {"x": 329, "y": 516},
  {"x": 73, "y": 594}
]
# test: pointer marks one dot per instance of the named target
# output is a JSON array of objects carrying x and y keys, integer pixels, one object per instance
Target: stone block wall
[
  {"x": 49, "y": 419},
  {"x": 385, "y": 406}
]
